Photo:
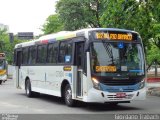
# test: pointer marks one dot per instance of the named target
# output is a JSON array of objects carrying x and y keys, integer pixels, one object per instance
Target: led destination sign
[
  {"x": 114, "y": 36},
  {"x": 105, "y": 69}
]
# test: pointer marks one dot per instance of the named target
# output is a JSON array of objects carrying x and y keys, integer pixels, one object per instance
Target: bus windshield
[
  {"x": 117, "y": 58},
  {"x": 2, "y": 64}
]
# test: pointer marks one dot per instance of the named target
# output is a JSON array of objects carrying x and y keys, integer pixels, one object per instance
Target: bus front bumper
[{"x": 98, "y": 96}]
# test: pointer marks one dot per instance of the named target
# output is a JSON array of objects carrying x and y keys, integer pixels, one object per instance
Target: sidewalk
[{"x": 153, "y": 84}]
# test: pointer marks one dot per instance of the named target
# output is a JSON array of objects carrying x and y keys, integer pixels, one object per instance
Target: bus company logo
[
  {"x": 67, "y": 68},
  {"x": 121, "y": 89}
]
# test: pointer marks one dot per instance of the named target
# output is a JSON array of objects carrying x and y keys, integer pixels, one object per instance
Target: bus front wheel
[
  {"x": 29, "y": 93},
  {"x": 68, "y": 96},
  {"x": 0, "y": 82}
]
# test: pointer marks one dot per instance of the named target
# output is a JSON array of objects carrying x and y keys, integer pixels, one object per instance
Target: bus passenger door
[
  {"x": 79, "y": 57},
  {"x": 18, "y": 67}
]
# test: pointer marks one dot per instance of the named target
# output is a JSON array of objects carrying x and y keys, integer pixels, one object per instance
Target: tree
[
  {"x": 53, "y": 24},
  {"x": 3, "y": 37},
  {"x": 153, "y": 54},
  {"x": 154, "y": 7},
  {"x": 128, "y": 14},
  {"x": 142, "y": 16},
  {"x": 6, "y": 46},
  {"x": 9, "y": 49},
  {"x": 77, "y": 14}
]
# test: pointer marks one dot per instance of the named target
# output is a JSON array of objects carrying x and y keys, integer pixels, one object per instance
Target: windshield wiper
[
  {"x": 129, "y": 48},
  {"x": 109, "y": 51}
]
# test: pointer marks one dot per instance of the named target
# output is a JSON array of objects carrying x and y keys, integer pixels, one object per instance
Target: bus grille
[
  {"x": 120, "y": 82},
  {"x": 117, "y": 90},
  {"x": 114, "y": 97}
]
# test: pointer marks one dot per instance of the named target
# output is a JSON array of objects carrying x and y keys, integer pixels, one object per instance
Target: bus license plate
[{"x": 121, "y": 95}]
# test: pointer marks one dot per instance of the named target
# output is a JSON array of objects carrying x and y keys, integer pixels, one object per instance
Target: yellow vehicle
[{"x": 3, "y": 68}]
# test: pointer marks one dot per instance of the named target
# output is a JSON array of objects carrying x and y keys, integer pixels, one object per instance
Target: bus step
[{"x": 79, "y": 97}]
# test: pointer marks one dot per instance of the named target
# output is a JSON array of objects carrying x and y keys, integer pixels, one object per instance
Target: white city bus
[{"x": 100, "y": 65}]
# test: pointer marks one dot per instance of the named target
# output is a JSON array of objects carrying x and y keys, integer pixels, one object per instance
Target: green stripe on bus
[{"x": 59, "y": 38}]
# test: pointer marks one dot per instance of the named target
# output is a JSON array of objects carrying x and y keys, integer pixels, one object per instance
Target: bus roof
[{"x": 66, "y": 35}]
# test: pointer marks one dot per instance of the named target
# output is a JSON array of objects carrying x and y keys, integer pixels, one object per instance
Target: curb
[
  {"x": 153, "y": 84},
  {"x": 151, "y": 80}
]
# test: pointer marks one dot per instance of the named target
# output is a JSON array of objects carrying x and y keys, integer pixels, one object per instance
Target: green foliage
[
  {"x": 129, "y": 14},
  {"x": 153, "y": 32},
  {"x": 9, "y": 49},
  {"x": 156, "y": 34},
  {"x": 142, "y": 16},
  {"x": 154, "y": 7},
  {"x": 3, "y": 37},
  {"x": 6, "y": 46},
  {"x": 53, "y": 24},
  {"x": 71, "y": 14},
  {"x": 126, "y": 14},
  {"x": 77, "y": 14},
  {"x": 153, "y": 54}
]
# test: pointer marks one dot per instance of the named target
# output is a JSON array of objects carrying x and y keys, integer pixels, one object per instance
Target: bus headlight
[
  {"x": 142, "y": 84},
  {"x": 96, "y": 84}
]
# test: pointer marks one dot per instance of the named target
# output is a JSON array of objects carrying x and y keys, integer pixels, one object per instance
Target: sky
[{"x": 26, "y": 15}]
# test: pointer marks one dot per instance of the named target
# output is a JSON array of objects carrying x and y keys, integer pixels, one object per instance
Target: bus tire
[
  {"x": 68, "y": 96},
  {"x": 0, "y": 82},
  {"x": 29, "y": 93}
]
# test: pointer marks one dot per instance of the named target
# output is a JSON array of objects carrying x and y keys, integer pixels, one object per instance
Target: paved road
[{"x": 14, "y": 101}]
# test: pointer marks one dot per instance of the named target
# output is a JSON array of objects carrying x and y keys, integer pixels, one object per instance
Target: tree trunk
[{"x": 156, "y": 72}]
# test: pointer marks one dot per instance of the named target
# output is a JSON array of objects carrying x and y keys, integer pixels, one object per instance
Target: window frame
[
  {"x": 26, "y": 62},
  {"x": 33, "y": 46},
  {"x": 68, "y": 41},
  {"x": 53, "y": 45},
  {"x": 45, "y": 53}
]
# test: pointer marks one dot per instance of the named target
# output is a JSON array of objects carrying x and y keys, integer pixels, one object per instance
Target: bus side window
[
  {"x": 41, "y": 54},
  {"x": 68, "y": 53},
  {"x": 61, "y": 52},
  {"x": 32, "y": 55},
  {"x": 79, "y": 54},
  {"x": 25, "y": 56},
  {"x": 18, "y": 58},
  {"x": 65, "y": 53},
  {"x": 52, "y": 53}
]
